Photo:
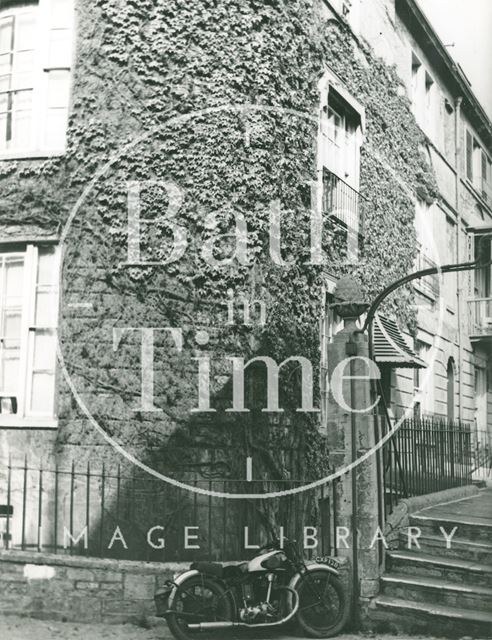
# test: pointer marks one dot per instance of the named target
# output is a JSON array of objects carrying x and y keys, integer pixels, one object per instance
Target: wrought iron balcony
[
  {"x": 341, "y": 202},
  {"x": 480, "y": 315}
]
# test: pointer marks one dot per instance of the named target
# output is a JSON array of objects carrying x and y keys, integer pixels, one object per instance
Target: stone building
[
  {"x": 214, "y": 114},
  {"x": 453, "y": 334}
]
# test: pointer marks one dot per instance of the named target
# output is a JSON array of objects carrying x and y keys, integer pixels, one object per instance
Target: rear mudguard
[
  {"x": 190, "y": 574},
  {"x": 179, "y": 580}
]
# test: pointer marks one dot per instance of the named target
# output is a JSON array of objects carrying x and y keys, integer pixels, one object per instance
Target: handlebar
[{"x": 274, "y": 543}]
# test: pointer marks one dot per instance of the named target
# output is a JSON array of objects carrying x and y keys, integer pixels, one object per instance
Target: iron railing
[
  {"x": 480, "y": 315},
  {"x": 49, "y": 509},
  {"x": 341, "y": 202},
  {"x": 482, "y": 456},
  {"x": 428, "y": 455}
]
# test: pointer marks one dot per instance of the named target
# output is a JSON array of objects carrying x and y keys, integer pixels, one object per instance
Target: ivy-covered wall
[{"x": 141, "y": 67}]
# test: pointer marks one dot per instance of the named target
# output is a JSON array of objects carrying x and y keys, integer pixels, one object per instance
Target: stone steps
[
  {"x": 418, "y": 588},
  {"x": 439, "y": 591},
  {"x": 431, "y": 619},
  {"x": 471, "y": 528},
  {"x": 450, "y": 569},
  {"x": 435, "y": 545}
]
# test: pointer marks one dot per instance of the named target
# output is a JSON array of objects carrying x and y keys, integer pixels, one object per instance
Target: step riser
[
  {"x": 469, "y": 531},
  {"x": 438, "y": 548},
  {"x": 401, "y": 621},
  {"x": 428, "y": 570},
  {"x": 458, "y": 599}
]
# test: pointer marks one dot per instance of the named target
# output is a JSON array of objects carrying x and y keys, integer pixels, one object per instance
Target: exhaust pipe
[{"x": 229, "y": 624}]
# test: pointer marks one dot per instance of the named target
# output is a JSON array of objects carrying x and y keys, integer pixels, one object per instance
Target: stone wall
[{"x": 49, "y": 586}]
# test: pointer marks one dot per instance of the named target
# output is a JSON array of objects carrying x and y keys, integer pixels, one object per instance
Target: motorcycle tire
[
  {"x": 327, "y": 618},
  {"x": 185, "y": 599}
]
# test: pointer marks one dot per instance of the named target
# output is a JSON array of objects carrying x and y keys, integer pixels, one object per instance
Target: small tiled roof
[{"x": 390, "y": 347}]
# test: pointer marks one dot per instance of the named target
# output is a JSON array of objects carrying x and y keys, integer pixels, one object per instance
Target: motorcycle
[{"x": 274, "y": 588}]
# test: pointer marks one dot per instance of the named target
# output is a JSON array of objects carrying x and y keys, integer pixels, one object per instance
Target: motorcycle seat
[
  {"x": 210, "y": 568},
  {"x": 219, "y": 570}
]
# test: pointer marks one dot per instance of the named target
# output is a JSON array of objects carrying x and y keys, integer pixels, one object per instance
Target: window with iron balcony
[
  {"x": 35, "y": 63},
  {"x": 426, "y": 257},
  {"x": 480, "y": 301},
  {"x": 340, "y": 138}
]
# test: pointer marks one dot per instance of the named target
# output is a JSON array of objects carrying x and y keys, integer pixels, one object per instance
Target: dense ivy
[{"x": 140, "y": 63}]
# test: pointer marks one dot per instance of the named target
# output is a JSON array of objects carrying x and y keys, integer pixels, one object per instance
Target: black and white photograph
[{"x": 245, "y": 319}]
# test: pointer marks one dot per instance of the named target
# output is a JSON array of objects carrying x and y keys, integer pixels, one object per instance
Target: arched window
[{"x": 450, "y": 389}]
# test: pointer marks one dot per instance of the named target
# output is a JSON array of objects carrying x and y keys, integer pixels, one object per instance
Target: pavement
[{"x": 17, "y": 628}]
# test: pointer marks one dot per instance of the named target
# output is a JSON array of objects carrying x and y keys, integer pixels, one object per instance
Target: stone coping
[{"x": 60, "y": 559}]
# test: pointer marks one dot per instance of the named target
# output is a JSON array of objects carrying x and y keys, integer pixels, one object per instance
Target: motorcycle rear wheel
[
  {"x": 324, "y": 607},
  {"x": 203, "y": 597}
]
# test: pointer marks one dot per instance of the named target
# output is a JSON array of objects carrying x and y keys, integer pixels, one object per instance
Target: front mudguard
[
  {"x": 315, "y": 566},
  {"x": 294, "y": 581}
]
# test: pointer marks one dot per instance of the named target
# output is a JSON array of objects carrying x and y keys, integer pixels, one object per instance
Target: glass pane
[
  {"x": 6, "y": 34},
  {"x": 5, "y": 83},
  {"x": 14, "y": 269},
  {"x": 5, "y": 64},
  {"x": 9, "y": 370},
  {"x": 12, "y": 324},
  {"x": 24, "y": 37},
  {"x": 23, "y": 100},
  {"x": 23, "y": 70},
  {"x": 58, "y": 88},
  {"x": 46, "y": 314},
  {"x": 42, "y": 393},
  {"x": 3, "y": 131},
  {"x": 56, "y": 124},
  {"x": 46, "y": 266},
  {"x": 44, "y": 351},
  {"x": 59, "y": 54},
  {"x": 61, "y": 13},
  {"x": 22, "y": 127}
]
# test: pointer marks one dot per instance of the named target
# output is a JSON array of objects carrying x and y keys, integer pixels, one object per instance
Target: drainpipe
[{"x": 459, "y": 228}]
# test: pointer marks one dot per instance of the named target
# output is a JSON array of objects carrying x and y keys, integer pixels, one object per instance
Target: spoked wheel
[
  {"x": 198, "y": 599},
  {"x": 323, "y": 604}
]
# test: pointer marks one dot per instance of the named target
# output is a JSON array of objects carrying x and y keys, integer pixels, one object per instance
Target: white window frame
[
  {"x": 430, "y": 110},
  {"x": 45, "y": 69},
  {"x": 424, "y": 96},
  {"x": 25, "y": 418},
  {"x": 426, "y": 381},
  {"x": 330, "y": 82},
  {"x": 480, "y": 397},
  {"x": 480, "y": 181}
]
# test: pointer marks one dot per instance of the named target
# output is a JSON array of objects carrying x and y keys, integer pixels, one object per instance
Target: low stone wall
[{"x": 80, "y": 589}]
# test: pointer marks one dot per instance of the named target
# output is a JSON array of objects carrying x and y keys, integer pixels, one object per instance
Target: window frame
[
  {"x": 427, "y": 392},
  {"x": 476, "y": 159},
  {"x": 45, "y": 68},
  {"x": 329, "y": 82},
  {"x": 25, "y": 418},
  {"x": 425, "y": 96}
]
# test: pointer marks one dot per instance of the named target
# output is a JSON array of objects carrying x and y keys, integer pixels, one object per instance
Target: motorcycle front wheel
[
  {"x": 198, "y": 599},
  {"x": 324, "y": 607}
]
